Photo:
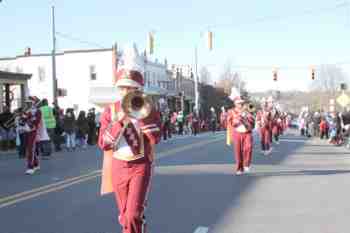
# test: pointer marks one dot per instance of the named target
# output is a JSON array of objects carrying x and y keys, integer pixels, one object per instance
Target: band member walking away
[
  {"x": 263, "y": 119},
  {"x": 271, "y": 110},
  {"x": 241, "y": 123},
  {"x": 276, "y": 125},
  {"x": 129, "y": 143}
]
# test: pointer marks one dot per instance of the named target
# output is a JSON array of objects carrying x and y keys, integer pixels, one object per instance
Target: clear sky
[{"x": 247, "y": 33}]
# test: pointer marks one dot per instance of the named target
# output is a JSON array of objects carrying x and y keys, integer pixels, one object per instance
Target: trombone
[
  {"x": 250, "y": 107},
  {"x": 137, "y": 105},
  {"x": 10, "y": 123}
]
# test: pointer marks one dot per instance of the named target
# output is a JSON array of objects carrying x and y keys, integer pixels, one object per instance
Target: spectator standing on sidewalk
[
  {"x": 50, "y": 123},
  {"x": 166, "y": 125},
  {"x": 173, "y": 122},
  {"x": 22, "y": 130},
  {"x": 316, "y": 119},
  {"x": 180, "y": 122},
  {"x": 57, "y": 138},
  {"x": 97, "y": 123},
  {"x": 69, "y": 126},
  {"x": 5, "y": 117},
  {"x": 323, "y": 128},
  {"x": 82, "y": 129},
  {"x": 213, "y": 119},
  {"x": 92, "y": 127},
  {"x": 195, "y": 124}
]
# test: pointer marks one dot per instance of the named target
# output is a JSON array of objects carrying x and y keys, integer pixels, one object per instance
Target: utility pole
[
  {"x": 196, "y": 93},
  {"x": 54, "y": 79}
]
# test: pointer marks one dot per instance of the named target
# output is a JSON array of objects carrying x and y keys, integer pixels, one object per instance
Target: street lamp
[{"x": 210, "y": 47}]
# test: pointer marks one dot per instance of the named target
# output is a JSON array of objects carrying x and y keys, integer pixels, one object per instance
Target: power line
[
  {"x": 70, "y": 37},
  {"x": 282, "y": 67},
  {"x": 278, "y": 17}
]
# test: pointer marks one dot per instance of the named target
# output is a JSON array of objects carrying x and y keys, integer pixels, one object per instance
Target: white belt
[
  {"x": 241, "y": 129},
  {"x": 127, "y": 157}
]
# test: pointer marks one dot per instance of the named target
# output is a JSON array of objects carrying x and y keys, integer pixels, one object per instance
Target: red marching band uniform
[
  {"x": 34, "y": 121},
  {"x": 263, "y": 120},
  {"x": 277, "y": 125},
  {"x": 128, "y": 155},
  {"x": 240, "y": 124}
]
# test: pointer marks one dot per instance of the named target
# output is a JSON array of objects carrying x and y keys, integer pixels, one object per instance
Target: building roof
[
  {"x": 73, "y": 51},
  {"x": 57, "y": 53},
  {"x": 14, "y": 76}
]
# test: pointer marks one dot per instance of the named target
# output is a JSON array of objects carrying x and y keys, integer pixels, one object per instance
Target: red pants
[
  {"x": 130, "y": 184},
  {"x": 276, "y": 133},
  {"x": 243, "y": 149},
  {"x": 265, "y": 139},
  {"x": 31, "y": 151}
]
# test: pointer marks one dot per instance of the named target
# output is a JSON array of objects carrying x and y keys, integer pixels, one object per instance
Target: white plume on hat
[
  {"x": 130, "y": 59},
  {"x": 263, "y": 100},
  {"x": 279, "y": 107},
  {"x": 270, "y": 99}
]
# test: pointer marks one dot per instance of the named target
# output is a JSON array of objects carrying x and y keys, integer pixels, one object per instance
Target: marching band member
[
  {"x": 130, "y": 146},
  {"x": 263, "y": 118},
  {"x": 284, "y": 122},
  {"x": 34, "y": 121},
  {"x": 276, "y": 125},
  {"x": 241, "y": 123},
  {"x": 271, "y": 109}
]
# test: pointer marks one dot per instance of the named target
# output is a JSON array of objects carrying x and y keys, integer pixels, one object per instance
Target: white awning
[{"x": 103, "y": 95}]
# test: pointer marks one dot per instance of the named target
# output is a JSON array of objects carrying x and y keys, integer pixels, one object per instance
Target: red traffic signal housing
[
  {"x": 275, "y": 76},
  {"x": 313, "y": 74},
  {"x": 61, "y": 92}
]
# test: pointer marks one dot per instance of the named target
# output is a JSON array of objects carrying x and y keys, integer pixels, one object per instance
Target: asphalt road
[{"x": 302, "y": 187}]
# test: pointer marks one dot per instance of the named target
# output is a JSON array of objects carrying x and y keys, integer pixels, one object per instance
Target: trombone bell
[{"x": 137, "y": 105}]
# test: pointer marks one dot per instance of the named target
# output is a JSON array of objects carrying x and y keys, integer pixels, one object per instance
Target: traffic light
[
  {"x": 210, "y": 40},
  {"x": 61, "y": 92},
  {"x": 275, "y": 75},
  {"x": 313, "y": 74},
  {"x": 343, "y": 86},
  {"x": 151, "y": 42}
]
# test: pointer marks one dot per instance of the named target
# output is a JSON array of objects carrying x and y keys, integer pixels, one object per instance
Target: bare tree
[
  {"x": 205, "y": 75},
  {"x": 326, "y": 85},
  {"x": 328, "y": 79},
  {"x": 229, "y": 79}
]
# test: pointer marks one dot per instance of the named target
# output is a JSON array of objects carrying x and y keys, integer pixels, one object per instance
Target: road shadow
[
  {"x": 185, "y": 201},
  {"x": 181, "y": 203},
  {"x": 324, "y": 153},
  {"x": 299, "y": 173}
]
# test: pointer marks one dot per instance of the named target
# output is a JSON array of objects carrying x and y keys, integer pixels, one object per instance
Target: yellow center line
[
  {"x": 47, "y": 191},
  {"x": 4, "y": 199},
  {"x": 19, "y": 197}
]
